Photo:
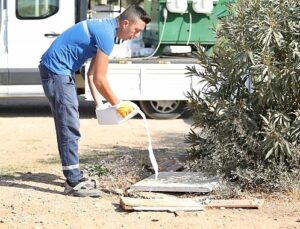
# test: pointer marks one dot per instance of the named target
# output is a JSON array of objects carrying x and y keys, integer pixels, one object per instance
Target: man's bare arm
[
  {"x": 95, "y": 93},
  {"x": 98, "y": 81}
]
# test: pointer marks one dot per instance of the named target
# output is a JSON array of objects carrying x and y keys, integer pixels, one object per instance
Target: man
[{"x": 88, "y": 39}]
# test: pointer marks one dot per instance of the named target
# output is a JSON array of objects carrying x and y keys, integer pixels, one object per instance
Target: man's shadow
[{"x": 45, "y": 178}]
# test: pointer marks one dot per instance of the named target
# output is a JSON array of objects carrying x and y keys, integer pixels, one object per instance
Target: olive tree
[{"x": 247, "y": 116}]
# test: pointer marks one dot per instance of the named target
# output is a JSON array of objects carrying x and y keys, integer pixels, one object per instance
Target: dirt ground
[{"x": 31, "y": 182}]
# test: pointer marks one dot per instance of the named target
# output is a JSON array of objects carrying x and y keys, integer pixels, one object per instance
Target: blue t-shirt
[{"x": 80, "y": 42}]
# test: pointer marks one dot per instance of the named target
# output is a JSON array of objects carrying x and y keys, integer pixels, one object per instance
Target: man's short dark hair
[{"x": 134, "y": 12}]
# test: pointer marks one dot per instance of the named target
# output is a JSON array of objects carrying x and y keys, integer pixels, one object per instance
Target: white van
[{"x": 27, "y": 28}]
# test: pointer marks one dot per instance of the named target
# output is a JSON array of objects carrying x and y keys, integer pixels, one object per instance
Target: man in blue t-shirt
[{"x": 88, "y": 39}]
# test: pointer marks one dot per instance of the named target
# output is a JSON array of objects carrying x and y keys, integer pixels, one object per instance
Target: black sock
[{"x": 73, "y": 184}]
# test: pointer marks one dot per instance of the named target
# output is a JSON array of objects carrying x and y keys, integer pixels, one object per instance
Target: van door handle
[{"x": 51, "y": 35}]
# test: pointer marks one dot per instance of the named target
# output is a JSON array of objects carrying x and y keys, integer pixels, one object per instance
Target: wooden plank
[
  {"x": 246, "y": 203},
  {"x": 177, "y": 182},
  {"x": 168, "y": 204},
  {"x": 169, "y": 209}
]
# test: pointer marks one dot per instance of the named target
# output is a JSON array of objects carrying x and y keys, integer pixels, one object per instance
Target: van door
[
  {"x": 3, "y": 49},
  {"x": 32, "y": 27}
]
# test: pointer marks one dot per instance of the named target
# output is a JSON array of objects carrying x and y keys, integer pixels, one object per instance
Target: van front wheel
[{"x": 163, "y": 109}]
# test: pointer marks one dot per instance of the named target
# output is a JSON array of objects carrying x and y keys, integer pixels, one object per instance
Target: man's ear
[{"x": 125, "y": 23}]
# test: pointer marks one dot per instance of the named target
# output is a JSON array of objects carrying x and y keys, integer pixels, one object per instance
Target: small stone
[
  {"x": 1, "y": 221},
  {"x": 119, "y": 191},
  {"x": 154, "y": 220},
  {"x": 130, "y": 181},
  {"x": 129, "y": 191}
]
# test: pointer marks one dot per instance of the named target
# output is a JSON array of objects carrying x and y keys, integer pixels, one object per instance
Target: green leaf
[
  {"x": 269, "y": 153},
  {"x": 288, "y": 149}
]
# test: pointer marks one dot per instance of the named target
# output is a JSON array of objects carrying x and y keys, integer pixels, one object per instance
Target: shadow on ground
[
  {"x": 18, "y": 178},
  {"x": 97, "y": 155},
  {"x": 117, "y": 168},
  {"x": 39, "y": 107}
]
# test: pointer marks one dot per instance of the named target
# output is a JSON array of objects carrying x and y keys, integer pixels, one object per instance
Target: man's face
[{"x": 130, "y": 29}]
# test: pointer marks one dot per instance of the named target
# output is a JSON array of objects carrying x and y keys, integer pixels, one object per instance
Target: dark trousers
[{"x": 61, "y": 93}]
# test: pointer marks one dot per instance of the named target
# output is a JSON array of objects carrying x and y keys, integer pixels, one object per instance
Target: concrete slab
[{"x": 177, "y": 182}]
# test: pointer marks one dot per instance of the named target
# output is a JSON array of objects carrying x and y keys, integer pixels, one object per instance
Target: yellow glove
[{"x": 124, "y": 109}]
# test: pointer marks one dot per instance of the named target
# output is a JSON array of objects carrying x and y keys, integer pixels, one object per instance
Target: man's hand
[{"x": 124, "y": 109}]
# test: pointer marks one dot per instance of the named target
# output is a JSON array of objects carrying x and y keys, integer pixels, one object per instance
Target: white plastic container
[
  {"x": 177, "y": 6},
  {"x": 203, "y": 6},
  {"x": 107, "y": 114}
]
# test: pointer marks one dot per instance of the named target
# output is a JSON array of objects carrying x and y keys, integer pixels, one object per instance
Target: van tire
[{"x": 163, "y": 109}]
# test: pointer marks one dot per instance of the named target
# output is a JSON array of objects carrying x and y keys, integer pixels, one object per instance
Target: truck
[{"x": 156, "y": 80}]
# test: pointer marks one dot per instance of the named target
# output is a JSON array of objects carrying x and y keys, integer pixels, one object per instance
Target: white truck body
[
  {"x": 23, "y": 40},
  {"x": 150, "y": 81}
]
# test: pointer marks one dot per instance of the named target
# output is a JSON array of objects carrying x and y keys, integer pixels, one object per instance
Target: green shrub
[{"x": 247, "y": 115}]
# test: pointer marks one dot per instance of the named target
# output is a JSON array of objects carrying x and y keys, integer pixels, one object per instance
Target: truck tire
[{"x": 163, "y": 109}]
